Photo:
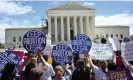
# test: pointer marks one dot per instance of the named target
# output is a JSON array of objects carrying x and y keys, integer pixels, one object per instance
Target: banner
[
  {"x": 115, "y": 43},
  {"x": 34, "y": 41},
  {"x": 7, "y": 57},
  {"x": 127, "y": 50},
  {"x": 18, "y": 53},
  {"x": 62, "y": 53},
  {"x": 81, "y": 43},
  {"x": 118, "y": 75},
  {"x": 48, "y": 50},
  {"x": 101, "y": 52}
]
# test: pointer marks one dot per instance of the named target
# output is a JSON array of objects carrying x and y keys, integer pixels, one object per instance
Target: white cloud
[
  {"x": 88, "y": 4},
  {"x": 116, "y": 19},
  {"x": 55, "y": 2},
  {"x": 13, "y": 8},
  {"x": 126, "y": 11},
  {"x": 11, "y": 23}
]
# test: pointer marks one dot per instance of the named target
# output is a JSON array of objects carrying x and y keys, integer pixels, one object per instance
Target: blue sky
[{"x": 30, "y": 13}]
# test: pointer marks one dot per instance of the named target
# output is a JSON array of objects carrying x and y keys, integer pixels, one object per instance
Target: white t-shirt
[
  {"x": 48, "y": 73},
  {"x": 99, "y": 74}
]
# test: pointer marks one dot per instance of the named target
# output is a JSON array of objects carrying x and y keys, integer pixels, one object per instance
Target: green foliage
[{"x": 1, "y": 46}]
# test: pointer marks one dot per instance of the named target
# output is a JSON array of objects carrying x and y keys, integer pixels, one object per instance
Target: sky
[{"x": 15, "y": 14}]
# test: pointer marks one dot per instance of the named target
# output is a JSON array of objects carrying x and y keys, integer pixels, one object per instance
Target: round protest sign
[
  {"x": 81, "y": 43},
  {"x": 126, "y": 39},
  {"x": 7, "y": 57},
  {"x": 34, "y": 41},
  {"x": 62, "y": 53}
]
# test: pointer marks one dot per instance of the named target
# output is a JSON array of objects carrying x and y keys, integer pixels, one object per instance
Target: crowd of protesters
[{"x": 39, "y": 67}]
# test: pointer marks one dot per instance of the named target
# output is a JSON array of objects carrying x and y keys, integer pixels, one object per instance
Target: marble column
[
  {"x": 87, "y": 25},
  {"x": 62, "y": 28},
  {"x": 93, "y": 26},
  {"x": 68, "y": 28},
  {"x": 56, "y": 34},
  {"x": 49, "y": 25},
  {"x": 75, "y": 26},
  {"x": 81, "y": 24}
]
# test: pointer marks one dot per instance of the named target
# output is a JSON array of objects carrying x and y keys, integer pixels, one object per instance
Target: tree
[
  {"x": 44, "y": 23},
  {"x": 131, "y": 37},
  {"x": 1, "y": 45}
]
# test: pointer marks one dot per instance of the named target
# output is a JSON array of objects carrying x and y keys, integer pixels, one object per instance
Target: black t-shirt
[{"x": 81, "y": 75}]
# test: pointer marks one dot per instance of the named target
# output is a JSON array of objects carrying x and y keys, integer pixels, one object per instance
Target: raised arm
[{"x": 42, "y": 59}]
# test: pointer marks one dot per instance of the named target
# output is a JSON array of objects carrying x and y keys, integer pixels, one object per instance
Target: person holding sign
[
  {"x": 49, "y": 73},
  {"x": 99, "y": 71},
  {"x": 8, "y": 72},
  {"x": 128, "y": 65},
  {"x": 32, "y": 70}
]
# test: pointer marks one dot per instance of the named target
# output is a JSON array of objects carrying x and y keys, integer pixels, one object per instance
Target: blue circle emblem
[
  {"x": 62, "y": 53},
  {"x": 81, "y": 44},
  {"x": 34, "y": 41},
  {"x": 7, "y": 57}
]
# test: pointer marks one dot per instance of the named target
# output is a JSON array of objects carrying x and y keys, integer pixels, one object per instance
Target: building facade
[
  {"x": 65, "y": 22},
  {"x": 112, "y": 31},
  {"x": 69, "y": 20}
]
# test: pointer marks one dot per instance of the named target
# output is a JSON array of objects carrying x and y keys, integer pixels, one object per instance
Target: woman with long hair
[{"x": 8, "y": 72}]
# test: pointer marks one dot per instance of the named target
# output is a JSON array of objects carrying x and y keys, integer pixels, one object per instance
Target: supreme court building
[{"x": 66, "y": 21}]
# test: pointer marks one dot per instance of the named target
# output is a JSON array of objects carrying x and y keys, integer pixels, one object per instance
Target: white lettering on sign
[
  {"x": 7, "y": 58},
  {"x": 34, "y": 40},
  {"x": 62, "y": 53}
]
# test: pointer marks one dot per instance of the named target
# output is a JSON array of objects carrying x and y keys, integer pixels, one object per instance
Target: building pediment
[{"x": 71, "y": 6}]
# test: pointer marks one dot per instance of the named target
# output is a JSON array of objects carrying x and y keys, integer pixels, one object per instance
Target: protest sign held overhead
[
  {"x": 62, "y": 53},
  {"x": 126, "y": 39},
  {"x": 7, "y": 57},
  {"x": 34, "y": 41},
  {"x": 81, "y": 43},
  {"x": 118, "y": 75},
  {"x": 127, "y": 50},
  {"x": 115, "y": 44},
  {"x": 18, "y": 53},
  {"x": 48, "y": 50},
  {"x": 101, "y": 52}
]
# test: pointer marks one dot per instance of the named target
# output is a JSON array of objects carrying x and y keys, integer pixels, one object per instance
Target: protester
[
  {"x": 80, "y": 73},
  {"x": 59, "y": 73},
  {"x": 127, "y": 65},
  {"x": 8, "y": 72},
  {"x": 98, "y": 70},
  {"x": 32, "y": 68},
  {"x": 49, "y": 73}
]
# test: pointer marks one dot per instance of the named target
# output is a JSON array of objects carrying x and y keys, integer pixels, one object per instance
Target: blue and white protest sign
[
  {"x": 81, "y": 43},
  {"x": 34, "y": 41},
  {"x": 126, "y": 39},
  {"x": 62, "y": 54},
  {"x": 7, "y": 57}
]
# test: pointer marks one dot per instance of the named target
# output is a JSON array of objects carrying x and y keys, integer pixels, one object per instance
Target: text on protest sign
[
  {"x": 48, "y": 50},
  {"x": 81, "y": 43},
  {"x": 115, "y": 44},
  {"x": 7, "y": 57},
  {"x": 101, "y": 52},
  {"x": 34, "y": 41},
  {"x": 18, "y": 53},
  {"x": 62, "y": 53},
  {"x": 117, "y": 75},
  {"x": 127, "y": 50}
]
